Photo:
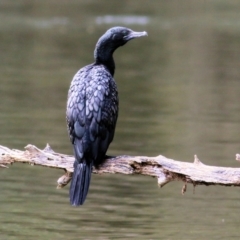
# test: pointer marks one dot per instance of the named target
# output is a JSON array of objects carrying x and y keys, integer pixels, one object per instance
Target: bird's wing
[{"x": 92, "y": 111}]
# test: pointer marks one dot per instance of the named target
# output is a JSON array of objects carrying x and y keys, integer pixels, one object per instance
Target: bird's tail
[{"x": 80, "y": 183}]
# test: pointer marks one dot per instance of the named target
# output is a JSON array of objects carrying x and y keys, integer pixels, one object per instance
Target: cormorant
[{"x": 92, "y": 110}]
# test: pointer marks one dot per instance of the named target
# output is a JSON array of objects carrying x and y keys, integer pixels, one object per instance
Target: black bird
[{"x": 92, "y": 110}]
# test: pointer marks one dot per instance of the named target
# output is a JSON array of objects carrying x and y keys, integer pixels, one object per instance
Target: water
[{"x": 179, "y": 96}]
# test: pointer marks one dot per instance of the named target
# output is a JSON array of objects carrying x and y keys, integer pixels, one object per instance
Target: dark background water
[{"x": 179, "y": 96}]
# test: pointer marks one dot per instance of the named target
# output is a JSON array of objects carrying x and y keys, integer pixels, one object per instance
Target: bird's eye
[
  {"x": 125, "y": 32},
  {"x": 116, "y": 37}
]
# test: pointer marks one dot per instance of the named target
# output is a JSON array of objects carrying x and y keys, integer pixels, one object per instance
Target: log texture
[{"x": 164, "y": 169}]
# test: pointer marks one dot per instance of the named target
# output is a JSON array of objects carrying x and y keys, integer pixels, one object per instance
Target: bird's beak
[{"x": 133, "y": 35}]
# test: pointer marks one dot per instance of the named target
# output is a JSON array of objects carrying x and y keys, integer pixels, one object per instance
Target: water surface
[{"x": 179, "y": 96}]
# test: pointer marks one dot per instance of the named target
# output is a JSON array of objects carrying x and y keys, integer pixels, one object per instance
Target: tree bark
[{"x": 164, "y": 169}]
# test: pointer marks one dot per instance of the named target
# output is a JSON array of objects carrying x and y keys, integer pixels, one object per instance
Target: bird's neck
[{"x": 103, "y": 54}]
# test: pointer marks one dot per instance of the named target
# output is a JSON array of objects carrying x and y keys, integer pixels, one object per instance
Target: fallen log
[{"x": 164, "y": 169}]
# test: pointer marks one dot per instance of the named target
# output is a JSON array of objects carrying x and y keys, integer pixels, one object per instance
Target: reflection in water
[
  {"x": 178, "y": 97},
  {"x": 108, "y": 19},
  {"x": 48, "y": 23}
]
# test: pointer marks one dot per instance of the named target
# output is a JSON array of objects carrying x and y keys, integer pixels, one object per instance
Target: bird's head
[
  {"x": 114, "y": 38},
  {"x": 118, "y": 36}
]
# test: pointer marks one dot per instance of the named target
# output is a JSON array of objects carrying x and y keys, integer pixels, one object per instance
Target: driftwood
[{"x": 164, "y": 169}]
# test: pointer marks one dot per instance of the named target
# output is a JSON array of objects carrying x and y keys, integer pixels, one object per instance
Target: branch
[{"x": 164, "y": 169}]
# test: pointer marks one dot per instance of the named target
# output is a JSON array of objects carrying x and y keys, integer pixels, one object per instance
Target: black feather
[{"x": 80, "y": 183}]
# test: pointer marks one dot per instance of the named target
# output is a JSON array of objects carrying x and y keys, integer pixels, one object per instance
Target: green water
[{"x": 179, "y": 96}]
